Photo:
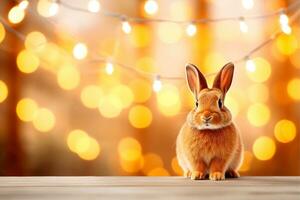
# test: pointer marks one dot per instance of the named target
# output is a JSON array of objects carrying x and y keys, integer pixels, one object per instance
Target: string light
[
  {"x": 151, "y": 7},
  {"x": 53, "y": 9},
  {"x": 191, "y": 29},
  {"x": 250, "y": 65},
  {"x": 248, "y": 4},
  {"x": 94, "y": 6},
  {"x": 109, "y": 68},
  {"x": 23, "y": 4},
  {"x": 284, "y": 23},
  {"x": 243, "y": 25},
  {"x": 126, "y": 27},
  {"x": 157, "y": 84},
  {"x": 16, "y": 15},
  {"x": 80, "y": 51}
]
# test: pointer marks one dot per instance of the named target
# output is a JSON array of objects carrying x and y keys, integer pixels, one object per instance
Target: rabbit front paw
[
  {"x": 230, "y": 173},
  {"x": 216, "y": 176},
  {"x": 197, "y": 175}
]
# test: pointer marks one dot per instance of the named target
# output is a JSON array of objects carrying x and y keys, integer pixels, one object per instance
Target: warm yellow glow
[
  {"x": 248, "y": 4},
  {"x": 80, "y": 51},
  {"x": 243, "y": 26},
  {"x": 2, "y": 32},
  {"x": 157, "y": 84},
  {"x": 151, "y": 161},
  {"x": 258, "y": 114},
  {"x": 285, "y": 131},
  {"x": 264, "y": 148},
  {"x": 262, "y": 70},
  {"x": 23, "y": 4},
  {"x": 129, "y": 149},
  {"x": 35, "y": 41},
  {"x": 132, "y": 166},
  {"x": 74, "y": 138},
  {"x": 26, "y": 109},
  {"x": 212, "y": 61},
  {"x": 141, "y": 36},
  {"x": 125, "y": 95},
  {"x": 90, "y": 96},
  {"x": 286, "y": 29},
  {"x": 16, "y": 15},
  {"x": 293, "y": 88},
  {"x": 126, "y": 27},
  {"x": 92, "y": 151},
  {"x": 141, "y": 89},
  {"x": 175, "y": 166},
  {"x": 52, "y": 56},
  {"x": 151, "y": 7},
  {"x": 283, "y": 19},
  {"x": 191, "y": 29},
  {"x": 140, "y": 116},
  {"x": 94, "y": 6},
  {"x": 168, "y": 100},
  {"x": 27, "y": 61},
  {"x": 47, "y": 8},
  {"x": 287, "y": 44},
  {"x": 146, "y": 64},
  {"x": 258, "y": 93},
  {"x": 158, "y": 172},
  {"x": 68, "y": 77},
  {"x": 248, "y": 156},
  {"x": 250, "y": 65},
  {"x": 109, "y": 68},
  {"x": 232, "y": 104},
  {"x": 181, "y": 10},
  {"x": 110, "y": 106},
  {"x": 43, "y": 120},
  {"x": 169, "y": 32},
  {"x": 3, "y": 91}
]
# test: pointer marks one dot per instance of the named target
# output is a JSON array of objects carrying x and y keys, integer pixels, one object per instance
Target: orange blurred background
[{"x": 82, "y": 93}]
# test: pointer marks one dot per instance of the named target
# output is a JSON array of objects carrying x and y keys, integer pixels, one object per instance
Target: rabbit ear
[
  {"x": 224, "y": 78},
  {"x": 195, "y": 79}
]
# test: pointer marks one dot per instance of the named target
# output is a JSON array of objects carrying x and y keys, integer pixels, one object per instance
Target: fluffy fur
[{"x": 208, "y": 142}]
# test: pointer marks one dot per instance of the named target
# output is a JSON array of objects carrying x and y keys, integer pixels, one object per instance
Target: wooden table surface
[{"x": 283, "y": 188}]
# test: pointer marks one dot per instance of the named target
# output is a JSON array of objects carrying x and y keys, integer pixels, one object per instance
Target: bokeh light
[
  {"x": 151, "y": 7},
  {"x": 285, "y": 131},
  {"x": 68, "y": 77},
  {"x": 132, "y": 166},
  {"x": 140, "y": 36},
  {"x": 26, "y": 109},
  {"x": 262, "y": 70},
  {"x": 92, "y": 151},
  {"x": 3, "y": 91},
  {"x": 191, "y": 30},
  {"x": 159, "y": 171},
  {"x": 35, "y": 41},
  {"x": 248, "y": 4},
  {"x": 169, "y": 33},
  {"x": 232, "y": 105},
  {"x": 110, "y": 106},
  {"x": 287, "y": 44},
  {"x": 27, "y": 61},
  {"x": 264, "y": 148},
  {"x": 126, "y": 27},
  {"x": 294, "y": 58},
  {"x": 80, "y": 51},
  {"x": 140, "y": 116},
  {"x": 75, "y": 137},
  {"x": 90, "y": 96},
  {"x": 94, "y": 6},
  {"x": 23, "y": 4},
  {"x": 2, "y": 32},
  {"x": 258, "y": 93},
  {"x": 141, "y": 90},
  {"x": 151, "y": 161},
  {"x": 293, "y": 88},
  {"x": 175, "y": 167},
  {"x": 129, "y": 149},
  {"x": 124, "y": 93},
  {"x": 16, "y": 15},
  {"x": 47, "y": 8},
  {"x": 43, "y": 120},
  {"x": 168, "y": 100},
  {"x": 258, "y": 114}
]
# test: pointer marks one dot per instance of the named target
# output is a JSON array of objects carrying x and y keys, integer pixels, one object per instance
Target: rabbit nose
[{"x": 206, "y": 118}]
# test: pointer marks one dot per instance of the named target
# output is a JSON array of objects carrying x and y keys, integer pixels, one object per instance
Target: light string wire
[
  {"x": 122, "y": 17},
  {"x": 105, "y": 59}
]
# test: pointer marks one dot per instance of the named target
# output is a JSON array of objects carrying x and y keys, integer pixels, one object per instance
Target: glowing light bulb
[
  {"x": 157, "y": 84},
  {"x": 248, "y": 4},
  {"x": 286, "y": 29},
  {"x": 109, "y": 68},
  {"x": 53, "y": 9},
  {"x": 250, "y": 65},
  {"x": 16, "y": 15},
  {"x": 151, "y": 7},
  {"x": 243, "y": 25},
  {"x": 80, "y": 51},
  {"x": 23, "y": 4},
  {"x": 191, "y": 29},
  {"x": 283, "y": 19},
  {"x": 94, "y": 6},
  {"x": 126, "y": 27}
]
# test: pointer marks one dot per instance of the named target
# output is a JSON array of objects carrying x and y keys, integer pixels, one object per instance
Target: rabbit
[{"x": 209, "y": 142}]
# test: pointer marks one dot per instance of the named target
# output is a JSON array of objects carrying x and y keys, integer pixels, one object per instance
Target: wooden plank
[{"x": 148, "y": 188}]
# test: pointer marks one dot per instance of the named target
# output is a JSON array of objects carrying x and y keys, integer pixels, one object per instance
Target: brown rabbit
[{"x": 208, "y": 141}]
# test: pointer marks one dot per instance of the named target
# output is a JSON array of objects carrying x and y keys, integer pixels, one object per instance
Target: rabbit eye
[
  {"x": 220, "y": 103},
  {"x": 197, "y": 103}
]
